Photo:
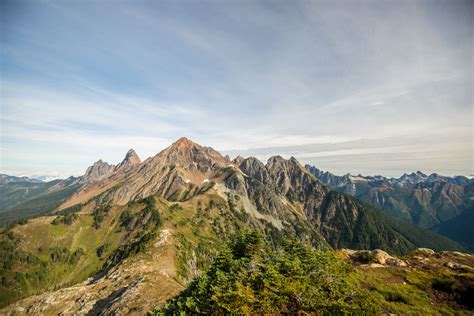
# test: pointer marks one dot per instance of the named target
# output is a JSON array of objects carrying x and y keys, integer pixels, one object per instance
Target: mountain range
[
  {"x": 440, "y": 203},
  {"x": 130, "y": 236}
]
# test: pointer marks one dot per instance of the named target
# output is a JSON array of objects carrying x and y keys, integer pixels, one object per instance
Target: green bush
[
  {"x": 99, "y": 213},
  {"x": 248, "y": 277},
  {"x": 395, "y": 297},
  {"x": 443, "y": 283},
  {"x": 67, "y": 219}
]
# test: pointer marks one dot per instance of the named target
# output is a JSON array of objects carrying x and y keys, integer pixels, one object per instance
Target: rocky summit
[
  {"x": 141, "y": 237},
  {"x": 131, "y": 158}
]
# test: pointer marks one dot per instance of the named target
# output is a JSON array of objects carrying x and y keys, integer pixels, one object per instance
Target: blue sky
[{"x": 372, "y": 87}]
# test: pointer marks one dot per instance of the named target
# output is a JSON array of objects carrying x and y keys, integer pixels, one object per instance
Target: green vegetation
[
  {"x": 18, "y": 192},
  {"x": 372, "y": 229},
  {"x": 38, "y": 206},
  {"x": 46, "y": 253},
  {"x": 99, "y": 213},
  {"x": 145, "y": 218},
  {"x": 67, "y": 219},
  {"x": 72, "y": 209},
  {"x": 127, "y": 250},
  {"x": 460, "y": 228},
  {"x": 248, "y": 277},
  {"x": 429, "y": 289}
]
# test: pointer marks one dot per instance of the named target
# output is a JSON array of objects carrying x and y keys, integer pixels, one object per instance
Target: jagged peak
[
  {"x": 276, "y": 158},
  {"x": 238, "y": 160},
  {"x": 130, "y": 152},
  {"x": 420, "y": 173},
  {"x": 131, "y": 158},
  {"x": 100, "y": 162},
  {"x": 183, "y": 142},
  {"x": 97, "y": 171},
  {"x": 191, "y": 156}
]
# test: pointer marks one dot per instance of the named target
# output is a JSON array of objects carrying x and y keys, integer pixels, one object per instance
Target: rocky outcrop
[
  {"x": 377, "y": 256},
  {"x": 99, "y": 170},
  {"x": 237, "y": 160},
  {"x": 254, "y": 168},
  {"x": 131, "y": 159},
  {"x": 424, "y": 252}
]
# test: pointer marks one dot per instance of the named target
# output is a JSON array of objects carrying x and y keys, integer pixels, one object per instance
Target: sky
[{"x": 371, "y": 87}]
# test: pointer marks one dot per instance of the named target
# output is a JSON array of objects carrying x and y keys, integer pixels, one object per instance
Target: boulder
[
  {"x": 380, "y": 256},
  {"x": 371, "y": 256},
  {"x": 458, "y": 267},
  {"x": 396, "y": 262},
  {"x": 424, "y": 252}
]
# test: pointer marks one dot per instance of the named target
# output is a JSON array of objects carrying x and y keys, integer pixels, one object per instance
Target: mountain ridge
[
  {"x": 176, "y": 208},
  {"x": 425, "y": 200}
]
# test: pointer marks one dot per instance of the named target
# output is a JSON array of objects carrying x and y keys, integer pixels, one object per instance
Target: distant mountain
[
  {"x": 22, "y": 198},
  {"x": 4, "y": 179},
  {"x": 13, "y": 193},
  {"x": 20, "y": 202},
  {"x": 427, "y": 201},
  {"x": 45, "y": 178}
]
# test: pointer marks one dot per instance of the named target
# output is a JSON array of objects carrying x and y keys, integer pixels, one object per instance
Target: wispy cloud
[{"x": 252, "y": 77}]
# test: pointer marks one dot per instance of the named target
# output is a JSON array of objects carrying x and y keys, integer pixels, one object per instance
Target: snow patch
[
  {"x": 187, "y": 180},
  {"x": 357, "y": 178},
  {"x": 249, "y": 207},
  {"x": 205, "y": 180}
]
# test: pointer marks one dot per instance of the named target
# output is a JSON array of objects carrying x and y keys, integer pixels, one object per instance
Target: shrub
[
  {"x": 67, "y": 219},
  {"x": 248, "y": 277},
  {"x": 99, "y": 214},
  {"x": 395, "y": 297},
  {"x": 443, "y": 283}
]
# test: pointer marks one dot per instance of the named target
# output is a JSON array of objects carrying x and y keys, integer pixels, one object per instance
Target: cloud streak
[{"x": 253, "y": 77}]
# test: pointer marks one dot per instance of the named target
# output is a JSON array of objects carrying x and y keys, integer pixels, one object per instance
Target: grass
[
  {"x": 404, "y": 292},
  {"x": 39, "y": 238}
]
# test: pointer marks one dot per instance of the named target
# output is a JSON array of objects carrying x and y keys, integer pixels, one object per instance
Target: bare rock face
[
  {"x": 97, "y": 171},
  {"x": 238, "y": 160},
  {"x": 191, "y": 157},
  {"x": 168, "y": 173},
  {"x": 293, "y": 180},
  {"x": 131, "y": 159},
  {"x": 254, "y": 168}
]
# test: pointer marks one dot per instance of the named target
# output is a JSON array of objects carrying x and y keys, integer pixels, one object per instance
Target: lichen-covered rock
[
  {"x": 395, "y": 262},
  {"x": 458, "y": 267},
  {"x": 371, "y": 256},
  {"x": 424, "y": 252}
]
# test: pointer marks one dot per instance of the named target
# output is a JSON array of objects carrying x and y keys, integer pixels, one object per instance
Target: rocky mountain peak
[
  {"x": 191, "y": 156},
  {"x": 97, "y": 171},
  {"x": 254, "y": 168},
  {"x": 131, "y": 158},
  {"x": 238, "y": 160}
]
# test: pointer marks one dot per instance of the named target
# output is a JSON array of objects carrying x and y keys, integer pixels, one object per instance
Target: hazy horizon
[{"x": 370, "y": 87}]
